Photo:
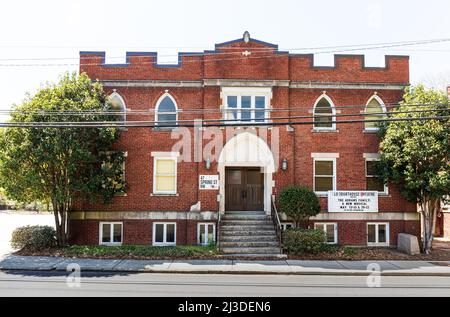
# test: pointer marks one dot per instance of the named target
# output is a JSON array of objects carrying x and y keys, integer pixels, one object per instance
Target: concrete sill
[
  {"x": 371, "y": 131},
  {"x": 324, "y": 131},
  {"x": 164, "y": 195},
  {"x": 161, "y": 129}
]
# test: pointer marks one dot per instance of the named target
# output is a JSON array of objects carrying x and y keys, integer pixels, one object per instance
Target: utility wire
[
  {"x": 314, "y": 116},
  {"x": 250, "y": 124},
  {"x": 203, "y": 110},
  {"x": 388, "y": 45}
]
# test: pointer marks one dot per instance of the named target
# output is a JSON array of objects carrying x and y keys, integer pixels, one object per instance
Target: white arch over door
[{"x": 247, "y": 150}]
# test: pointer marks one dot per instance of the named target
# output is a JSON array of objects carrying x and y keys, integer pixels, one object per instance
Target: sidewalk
[{"x": 416, "y": 268}]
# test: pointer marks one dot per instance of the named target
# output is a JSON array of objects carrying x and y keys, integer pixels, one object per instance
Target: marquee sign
[
  {"x": 352, "y": 201},
  {"x": 208, "y": 182}
]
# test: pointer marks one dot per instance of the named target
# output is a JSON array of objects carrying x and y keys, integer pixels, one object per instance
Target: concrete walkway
[{"x": 31, "y": 263}]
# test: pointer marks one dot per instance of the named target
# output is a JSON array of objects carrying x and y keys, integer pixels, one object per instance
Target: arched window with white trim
[
  {"x": 166, "y": 111},
  {"x": 118, "y": 104},
  {"x": 324, "y": 112},
  {"x": 374, "y": 110}
]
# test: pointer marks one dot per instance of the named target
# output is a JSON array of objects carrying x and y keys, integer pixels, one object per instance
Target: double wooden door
[{"x": 244, "y": 188}]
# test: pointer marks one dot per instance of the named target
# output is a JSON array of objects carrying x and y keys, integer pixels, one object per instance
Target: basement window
[
  {"x": 111, "y": 233},
  {"x": 330, "y": 230},
  {"x": 378, "y": 234},
  {"x": 164, "y": 233},
  {"x": 206, "y": 233}
]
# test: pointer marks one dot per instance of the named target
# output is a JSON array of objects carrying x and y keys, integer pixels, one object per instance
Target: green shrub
[
  {"x": 299, "y": 203},
  {"x": 349, "y": 251},
  {"x": 298, "y": 241},
  {"x": 33, "y": 238}
]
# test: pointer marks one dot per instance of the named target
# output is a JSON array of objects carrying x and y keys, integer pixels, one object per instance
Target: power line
[
  {"x": 386, "y": 45},
  {"x": 426, "y": 41},
  {"x": 314, "y": 116},
  {"x": 250, "y": 124},
  {"x": 202, "y": 110}
]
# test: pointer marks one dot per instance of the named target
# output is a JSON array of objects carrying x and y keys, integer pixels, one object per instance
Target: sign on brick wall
[
  {"x": 209, "y": 182},
  {"x": 352, "y": 201}
]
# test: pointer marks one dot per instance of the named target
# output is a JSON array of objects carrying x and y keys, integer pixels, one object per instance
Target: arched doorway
[{"x": 246, "y": 165}]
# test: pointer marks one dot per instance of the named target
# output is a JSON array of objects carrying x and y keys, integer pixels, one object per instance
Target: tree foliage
[
  {"x": 415, "y": 154},
  {"x": 299, "y": 203},
  {"x": 61, "y": 165}
]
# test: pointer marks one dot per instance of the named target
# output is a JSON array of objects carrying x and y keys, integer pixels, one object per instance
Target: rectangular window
[
  {"x": 111, "y": 233},
  {"x": 246, "y": 107},
  {"x": 330, "y": 230},
  {"x": 164, "y": 233},
  {"x": 287, "y": 225},
  {"x": 372, "y": 181},
  {"x": 324, "y": 175},
  {"x": 206, "y": 233},
  {"x": 165, "y": 175},
  {"x": 378, "y": 234}
]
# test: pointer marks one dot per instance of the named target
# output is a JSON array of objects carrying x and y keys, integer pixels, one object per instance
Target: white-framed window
[
  {"x": 374, "y": 111},
  {"x": 206, "y": 233},
  {"x": 165, "y": 173},
  {"x": 246, "y": 104},
  {"x": 118, "y": 104},
  {"x": 166, "y": 111},
  {"x": 330, "y": 229},
  {"x": 324, "y": 175},
  {"x": 110, "y": 233},
  {"x": 378, "y": 234},
  {"x": 372, "y": 180},
  {"x": 286, "y": 225},
  {"x": 324, "y": 112},
  {"x": 164, "y": 233}
]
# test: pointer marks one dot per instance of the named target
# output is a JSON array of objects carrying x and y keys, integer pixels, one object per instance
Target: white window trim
[
  {"x": 333, "y": 112},
  {"x": 167, "y": 157},
  {"x": 373, "y": 158},
  {"x": 378, "y": 244},
  {"x": 111, "y": 224},
  {"x": 198, "y": 232},
  {"x": 335, "y": 228},
  {"x": 284, "y": 224},
  {"x": 164, "y": 243},
  {"x": 315, "y": 159},
  {"x": 157, "y": 113},
  {"x": 383, "y": 107},
  {"x": 246, "y": 91}
]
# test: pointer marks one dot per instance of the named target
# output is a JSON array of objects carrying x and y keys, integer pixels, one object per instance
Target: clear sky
[{"x": 60, "y": 29}]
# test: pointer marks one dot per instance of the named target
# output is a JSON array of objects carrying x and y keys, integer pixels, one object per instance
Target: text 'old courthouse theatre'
[{"x": 208, "y": 177}]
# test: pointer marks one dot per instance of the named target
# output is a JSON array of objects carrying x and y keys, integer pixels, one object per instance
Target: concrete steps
[
  {"x": 248, "y": 238},
  {"x": 251, "y": 250},
  {"x": 248, "y": 234}
]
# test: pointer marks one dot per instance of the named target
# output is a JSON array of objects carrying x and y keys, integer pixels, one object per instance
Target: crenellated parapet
[{"x": 247, "y": 59}]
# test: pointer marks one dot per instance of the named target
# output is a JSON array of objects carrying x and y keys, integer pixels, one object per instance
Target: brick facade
[{"x": 195, "y": 83}]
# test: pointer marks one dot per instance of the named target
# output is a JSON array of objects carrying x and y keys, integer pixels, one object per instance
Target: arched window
[
  {"x": 324, "y": 113},
  {"x": 374, "y": 111},
  {"x": 118, "y": 104},
  {"x": 166, "y": 111}
]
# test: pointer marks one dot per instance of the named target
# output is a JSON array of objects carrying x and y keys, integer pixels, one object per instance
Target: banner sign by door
[
  {"x": 208, "y": 182},
  {"x": 352, "y": 201}
]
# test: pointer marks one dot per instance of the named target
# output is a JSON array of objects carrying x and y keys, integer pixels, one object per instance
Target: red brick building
[{"x": 170, "y": 201}]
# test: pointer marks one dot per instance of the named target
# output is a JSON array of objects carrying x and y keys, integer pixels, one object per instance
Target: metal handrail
[
  {"x": 277, "y": 223},
  {"x": 219, "y": 218}
]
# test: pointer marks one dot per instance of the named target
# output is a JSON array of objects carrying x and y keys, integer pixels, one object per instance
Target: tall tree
[
  {"x": 61, "y": 165},
  {"x": 415, "y": 154}
]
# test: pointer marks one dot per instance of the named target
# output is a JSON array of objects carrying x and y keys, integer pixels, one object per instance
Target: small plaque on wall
[{"x": 208, "y": 182}]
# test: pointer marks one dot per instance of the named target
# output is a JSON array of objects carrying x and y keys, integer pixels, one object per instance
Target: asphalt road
[
  {"x": 191, "y": 285},
  {"x": 11, "y": 220}
]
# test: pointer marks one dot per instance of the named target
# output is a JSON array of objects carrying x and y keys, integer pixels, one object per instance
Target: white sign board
[
  {"x": 208, "y": 182},
  {"x": 352, "y": 201}
]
